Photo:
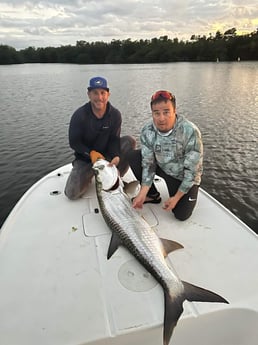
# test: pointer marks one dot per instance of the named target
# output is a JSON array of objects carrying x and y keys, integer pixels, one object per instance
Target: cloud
[{"x": 61, "y": 22}]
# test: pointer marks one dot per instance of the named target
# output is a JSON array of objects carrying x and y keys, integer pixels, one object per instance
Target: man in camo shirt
[{"x": 171, "y": 147}]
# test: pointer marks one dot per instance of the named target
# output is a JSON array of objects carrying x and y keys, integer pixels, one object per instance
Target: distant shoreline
[{"x": 221, "y": 47}]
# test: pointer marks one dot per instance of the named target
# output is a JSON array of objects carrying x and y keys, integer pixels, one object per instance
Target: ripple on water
[{"x": 37, "y": 102}]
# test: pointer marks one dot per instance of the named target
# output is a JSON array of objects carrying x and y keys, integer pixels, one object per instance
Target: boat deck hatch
[{"x": 94, "y": 224}]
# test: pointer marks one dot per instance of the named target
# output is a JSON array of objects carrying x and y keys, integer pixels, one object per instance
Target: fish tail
[
  {"x": 173, "y": 311},
  {"x": 174, "y": 305}
]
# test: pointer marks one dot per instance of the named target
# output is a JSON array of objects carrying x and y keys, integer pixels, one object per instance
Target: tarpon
[{"x": 132, "y": 231}]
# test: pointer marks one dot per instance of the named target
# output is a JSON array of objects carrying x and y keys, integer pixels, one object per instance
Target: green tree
[
  {"x": 30, "y": 55},
  {"x": 9, "y": 55},
  {"x": 226, "y": 47}
]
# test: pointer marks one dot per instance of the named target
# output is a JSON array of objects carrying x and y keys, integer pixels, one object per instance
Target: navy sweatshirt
[{"x": 87, "y": 132}]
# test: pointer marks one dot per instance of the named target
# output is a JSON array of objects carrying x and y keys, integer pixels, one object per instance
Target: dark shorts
[
  {"x": 185, "y": 206},
  {"x": 79, "y": 179}
]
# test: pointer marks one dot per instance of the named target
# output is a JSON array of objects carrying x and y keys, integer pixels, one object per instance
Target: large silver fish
[{"x": 132, "y": 231}]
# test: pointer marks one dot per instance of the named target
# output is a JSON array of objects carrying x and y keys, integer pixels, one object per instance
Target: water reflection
[{"x": 221, "y": 98}]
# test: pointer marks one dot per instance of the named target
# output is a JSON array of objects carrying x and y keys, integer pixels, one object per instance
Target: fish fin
[
  {"x": 173, "y": 311},
  {"x": 131, "y": 188},
  {"x": 198, "y": 294},
  {"x": 174, "y": 306},
  {"x": 115, "y": 242},
  {"x": 169, "y": 246}
]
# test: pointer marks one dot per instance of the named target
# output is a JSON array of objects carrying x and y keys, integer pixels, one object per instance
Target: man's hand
[
  {"x": 140, "y": 198},
  {"x": 95, "y": 155},
  {"x": 170, "y": 204}
]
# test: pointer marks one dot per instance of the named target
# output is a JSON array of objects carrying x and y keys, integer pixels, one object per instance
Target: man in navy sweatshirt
[{"x": 94, "y": 132}]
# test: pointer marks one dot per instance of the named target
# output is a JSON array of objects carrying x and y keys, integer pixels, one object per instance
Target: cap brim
[{"x": 93, "y": 88}]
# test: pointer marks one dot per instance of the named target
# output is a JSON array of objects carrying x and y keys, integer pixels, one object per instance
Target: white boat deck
[{"x": 58, "y": 288}]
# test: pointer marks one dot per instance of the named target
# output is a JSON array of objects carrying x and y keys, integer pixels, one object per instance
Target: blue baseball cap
[{"x": 98, "y": 83}]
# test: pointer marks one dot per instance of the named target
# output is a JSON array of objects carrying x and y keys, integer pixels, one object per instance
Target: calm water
[{"x": 37, "y": 101}]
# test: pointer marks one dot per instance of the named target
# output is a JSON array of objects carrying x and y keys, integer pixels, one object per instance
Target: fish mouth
[{"x": 107, "y": 175}]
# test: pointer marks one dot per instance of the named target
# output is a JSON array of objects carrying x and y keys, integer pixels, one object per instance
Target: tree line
[{"x": 222, "y": 47}]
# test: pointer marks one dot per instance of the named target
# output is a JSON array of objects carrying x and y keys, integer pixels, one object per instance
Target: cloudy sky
[{"x": 61, "y": 22}]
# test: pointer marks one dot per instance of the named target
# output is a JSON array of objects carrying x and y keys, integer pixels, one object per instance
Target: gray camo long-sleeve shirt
[{"x": 179, "y": 153}]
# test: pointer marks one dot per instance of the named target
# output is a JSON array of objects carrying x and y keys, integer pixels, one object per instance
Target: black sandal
[{"x": 155, "y": 199}]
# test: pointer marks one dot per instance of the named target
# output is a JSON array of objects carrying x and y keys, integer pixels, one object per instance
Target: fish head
[{"x": 106, "y": 174}]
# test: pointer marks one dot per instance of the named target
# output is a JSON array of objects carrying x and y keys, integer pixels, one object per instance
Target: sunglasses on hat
[{"x": 162, "y": 94}]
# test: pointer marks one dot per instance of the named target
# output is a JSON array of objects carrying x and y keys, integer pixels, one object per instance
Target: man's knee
[
  {"x": 182, "y": 216},
  {"x": 78, "y": 181},
  {"x": 182, "y": 212},
  {"x": 71, "y": 194},
  {"x": 127, "y": 144}
]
